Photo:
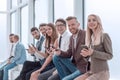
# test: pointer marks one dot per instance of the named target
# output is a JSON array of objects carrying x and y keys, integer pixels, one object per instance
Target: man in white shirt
[{"x": 63, "y": 43}]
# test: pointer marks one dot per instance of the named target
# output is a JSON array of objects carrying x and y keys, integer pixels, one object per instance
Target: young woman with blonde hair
[{"x": 100, "y": 50}]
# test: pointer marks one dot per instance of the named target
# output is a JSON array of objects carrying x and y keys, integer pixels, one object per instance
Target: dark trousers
[
  {"x": 29, "y": 66},
  {"x": 1, "y": 74},
  {"x": 50, "y": 66}
]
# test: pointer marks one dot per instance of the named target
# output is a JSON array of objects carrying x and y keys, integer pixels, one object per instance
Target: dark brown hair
[
  {"x": 34, "y": 28},
  {"x": 42, "y": 24},
  {"x": 11, "y": 34},
  {"x": 61, "y": 20},
  {"x": 52, "y": 39}
]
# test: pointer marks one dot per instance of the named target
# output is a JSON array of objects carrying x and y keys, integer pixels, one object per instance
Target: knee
[
  {"x": 50, "y": 78},
  {"x": 5, "y": 68},
  {"x": 66, "y": 78},
  {"x": 55, "y": 58},
  {"x": 40, "y": 77}
]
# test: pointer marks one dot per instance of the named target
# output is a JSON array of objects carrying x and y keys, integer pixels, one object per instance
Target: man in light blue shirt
[{"x": 19, "y": 56}]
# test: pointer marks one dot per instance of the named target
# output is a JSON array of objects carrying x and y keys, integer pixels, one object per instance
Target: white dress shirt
[
  {"x": 65, "y": 40},
  {"x": 38, "y": 56},
  {"x": 13, "y": 50}
]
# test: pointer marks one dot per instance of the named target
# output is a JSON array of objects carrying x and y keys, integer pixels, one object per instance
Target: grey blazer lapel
[{"x": 39, "y": 43}]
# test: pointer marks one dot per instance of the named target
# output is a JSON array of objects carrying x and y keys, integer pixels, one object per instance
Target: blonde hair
[{"x": 98, "y": 32}]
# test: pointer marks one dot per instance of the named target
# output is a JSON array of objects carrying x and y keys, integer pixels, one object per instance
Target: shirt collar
[
  {"x": 64, "y": 33},
  {"x": 39, "y": 38},
  {"x": 16, "y": 43},
  {"x": 75, "y": 35}
]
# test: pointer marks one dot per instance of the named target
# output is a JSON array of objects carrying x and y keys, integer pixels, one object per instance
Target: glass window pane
[
  {"x": 22, "y": 1},
  {"x": 25, "y": 29},
  {"x": 13, "y": 22},
  {"x": 3, "y": 39},
  {"x": 3, "y": 5},
  {"x": 64, "y": 8},
  {"x": 14, "y": 3},
  {"x": 24, "y": 25},
  {"x": 41, "y": 12},
  {"x": 109, "y": 12}
]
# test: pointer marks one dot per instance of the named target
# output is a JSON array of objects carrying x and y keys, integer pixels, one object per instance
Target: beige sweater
[{"x": 101, "y": 54}]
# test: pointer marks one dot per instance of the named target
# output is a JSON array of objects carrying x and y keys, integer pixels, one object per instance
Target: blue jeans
[
  {"x": 64, "y": 66},
  {"x": 72, "y": 76},
  {"x": 6, "y": 68}
]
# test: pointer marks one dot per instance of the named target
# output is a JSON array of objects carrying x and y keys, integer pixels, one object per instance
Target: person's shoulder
[
  {"x": 106, "y": 36},
  {"x": 68, "y": 34},
  {"x": 83, "y": 31},
  {"x": 20, "y": 45}
]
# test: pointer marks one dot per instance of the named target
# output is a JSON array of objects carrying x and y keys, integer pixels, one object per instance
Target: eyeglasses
[{"x": 59, "y": 25}]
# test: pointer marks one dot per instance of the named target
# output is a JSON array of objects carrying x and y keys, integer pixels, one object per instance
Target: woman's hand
[{"x": 86, "y": 52}]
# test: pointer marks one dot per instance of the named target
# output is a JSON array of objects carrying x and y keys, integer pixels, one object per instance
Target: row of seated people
[{"x": 59, "y": 54}]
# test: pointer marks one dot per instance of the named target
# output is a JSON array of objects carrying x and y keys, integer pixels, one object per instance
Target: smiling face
[
  {"x": 60, "y": 27},
  {"x": 35, "y": 34},
  {"x": 43, "y": 30},
  {"x": 49, "y": 31},
  {"x": 11, "y": 38},
  {"x": 92, "y": 22},
  {"x": 73, "y": 25}
]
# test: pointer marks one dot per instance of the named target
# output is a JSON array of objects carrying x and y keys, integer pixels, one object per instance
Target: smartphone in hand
[
  {"x": 33, "y": 45},
  {"x": 55, "y": 48},
  {"x": 84, "y": 46}
]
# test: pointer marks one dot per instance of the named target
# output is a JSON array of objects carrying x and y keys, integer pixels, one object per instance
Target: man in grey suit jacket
[{"x": 19, "y": 56}]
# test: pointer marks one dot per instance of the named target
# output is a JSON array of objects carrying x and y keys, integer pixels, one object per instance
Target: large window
[
  {"x": 3, "y": 30},
  {"x": 24, "y": 25},
  {"x": 14, "y": 3},
  {"x": 41, "y": 12},
  {"x": 23, "y": 1},
  {"x": 3, "y": 4},
  {"x": 13, "y": 22},
  {"x": 3, "y": 39},
  {"x": 25, "y": 29},
  {"x": 109, "y": 12},
  {"x": 63, "y": 8}
]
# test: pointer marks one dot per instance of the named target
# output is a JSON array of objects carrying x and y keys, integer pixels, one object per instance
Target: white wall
[{"x": 109, "y": 11}]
